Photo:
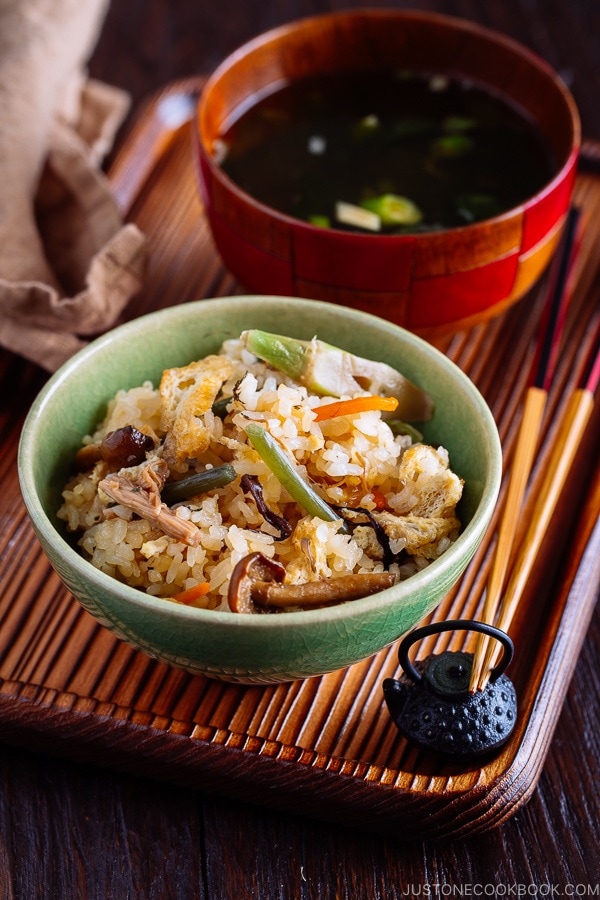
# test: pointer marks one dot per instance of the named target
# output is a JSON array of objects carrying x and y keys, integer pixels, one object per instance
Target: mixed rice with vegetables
[{"x": 275, "y": 475}]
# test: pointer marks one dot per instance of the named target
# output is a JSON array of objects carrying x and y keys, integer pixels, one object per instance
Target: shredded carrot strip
[
  {"x": 355, "y": 406},
  {"x": 193, "y": 593},
  {"x": 379, "y": 499}
]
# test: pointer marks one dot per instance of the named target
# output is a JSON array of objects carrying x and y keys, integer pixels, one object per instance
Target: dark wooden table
[{"x": 69, "y": 830}]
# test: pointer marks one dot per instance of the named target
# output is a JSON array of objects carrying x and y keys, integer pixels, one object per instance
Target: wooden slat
[{"x": 325, "y": 746}]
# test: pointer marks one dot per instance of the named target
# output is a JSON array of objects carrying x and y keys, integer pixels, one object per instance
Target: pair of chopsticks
[
  {"x": 502, "y": 602},
  {"x": 151, "y": 137}
]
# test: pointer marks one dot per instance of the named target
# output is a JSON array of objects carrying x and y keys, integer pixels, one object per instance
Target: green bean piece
[
  {"x": 283, "y": 353},
  {"x": 285, "y": 472},
  {"x": 329, "y": 371},
  {"x": 199, "y": 483},
  {"x": 399, "y": 427}
]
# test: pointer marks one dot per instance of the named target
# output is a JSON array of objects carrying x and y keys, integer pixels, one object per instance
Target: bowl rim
[
  {"x": 468, "y": 539},
  {"x": 467, "y": 25}
]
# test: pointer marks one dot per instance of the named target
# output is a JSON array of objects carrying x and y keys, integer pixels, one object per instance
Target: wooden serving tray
[{"x": 325, "y": 747}]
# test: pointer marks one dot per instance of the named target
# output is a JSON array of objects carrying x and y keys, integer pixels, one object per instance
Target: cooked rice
[{"x": 352, "y": 460}]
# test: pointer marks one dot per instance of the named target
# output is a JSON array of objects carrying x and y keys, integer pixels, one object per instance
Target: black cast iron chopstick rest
[{"x": 431, "y": 704}]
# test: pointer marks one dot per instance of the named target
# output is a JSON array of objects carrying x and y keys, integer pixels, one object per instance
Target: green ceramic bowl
[{"x": 252, "y": 649}]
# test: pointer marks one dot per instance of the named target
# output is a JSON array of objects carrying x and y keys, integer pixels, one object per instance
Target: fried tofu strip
[
  {"x": 187, "y": 394},
  {"x": 430, "y": 486},
  {"x": 419, "y": 534}
]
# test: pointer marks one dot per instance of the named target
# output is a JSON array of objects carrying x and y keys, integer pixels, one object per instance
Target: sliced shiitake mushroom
[
  {"x": 256, "y": 567},
  {"x": 251, "y": 485},
  {"x": 256, "y": 586},
  {"x": 325, "y": 592},
  {"x": 120, "y": 449}
]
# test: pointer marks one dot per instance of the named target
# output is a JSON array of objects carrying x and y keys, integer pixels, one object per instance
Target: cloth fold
[{"x": 68, "y": 264}]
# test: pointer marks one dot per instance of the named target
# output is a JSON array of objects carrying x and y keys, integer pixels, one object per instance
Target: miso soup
[{"x": 386, "y": 152}]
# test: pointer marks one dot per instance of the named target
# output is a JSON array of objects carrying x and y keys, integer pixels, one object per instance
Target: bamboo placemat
[{"x": 324, "y": 747}]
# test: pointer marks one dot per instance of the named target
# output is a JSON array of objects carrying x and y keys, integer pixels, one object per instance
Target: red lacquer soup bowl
[{"x": 428, "y": 282}]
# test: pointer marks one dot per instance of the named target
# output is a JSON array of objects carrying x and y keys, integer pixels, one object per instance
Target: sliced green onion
[
  {"x": 199, "y": 483},
  {"x": 475, "y": 207},
  {"x": 452, "y": 124},
  {"x": 412, "y": 126},
  {"x": 273, "y": 456},
  {"x": 320, "y": 221},
  {"x": 357, "y": 216},
  {"x": 366, "y": 126},
  {"x": 451, "y": 145},
  {"x": 393, "y": 209}
]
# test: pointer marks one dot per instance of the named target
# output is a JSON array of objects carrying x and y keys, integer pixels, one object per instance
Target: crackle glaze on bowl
[
  {"x": 268, "y": 648},
  {"x": 429, "y": 283}
]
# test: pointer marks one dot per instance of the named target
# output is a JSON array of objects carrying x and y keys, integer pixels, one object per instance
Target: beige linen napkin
[{"x": 68, "y": 265}]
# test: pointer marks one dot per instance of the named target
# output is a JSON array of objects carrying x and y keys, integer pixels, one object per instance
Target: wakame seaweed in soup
[{"x": 386, "y": 152}]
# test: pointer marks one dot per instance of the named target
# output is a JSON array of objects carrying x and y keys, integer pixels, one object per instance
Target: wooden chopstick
[
  {"x": 572, "y": 428},
  {"x": 150, "y": 138},
  {"x": 544, "y": 364},
  {"x": 527, "y": 440}
]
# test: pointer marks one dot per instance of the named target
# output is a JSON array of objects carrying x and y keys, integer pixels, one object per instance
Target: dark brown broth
[{"x": 459, "y": 153}]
